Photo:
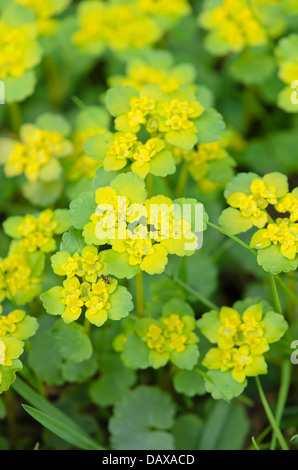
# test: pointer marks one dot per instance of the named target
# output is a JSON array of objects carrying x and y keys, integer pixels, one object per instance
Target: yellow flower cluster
[
  {"x": 179, "y": 114},
  {"x": 43, "y": 11},
  {"x": 8, "y": 322},
  {"x": 289, "y": 203},
  {"x": 253, "y": 206},
  {"x": 235, "y": 24},
  {"x": 15, "y": 276},
  {"x": 169, "y": 336},
  {"x": 283, "y": 233},
  {"x": 241, "y": 343},
  {"x": 85, "y": 285},
  {"x": 15, "y": 58},
  {"x": 38, "y": 150},
  {"x": 175, "y": 8},
  {"x": 94, "y": 296},
  {"x": 115, "y": 26},
  {"x": 87, "y": 265},
  {"x": 141, "y": 74},
  {"x": 37, "y": 232}
]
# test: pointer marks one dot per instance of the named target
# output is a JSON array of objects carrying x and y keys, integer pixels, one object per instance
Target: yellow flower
[
  {"x": 288, "y": 203},
  {"x": 263, "y": 193},
  {"x": 178, "y": 115},
  {"x": 283, "y": 233},
  {"x": 37, "y": 232},
  {"x": 98, "y": 303},
  {"x": 141, "y": 74},
  {"x": 16, "y": 45},
  {"x": 140, "y": 108},
  {"x": 248, "y": 206},
  {"x": 16, "y": 276},
  {"x": 8, "y": 322},
  {"x": 36, "y": 156},
  {"x": 150, "y": 257},
  {"x": 171, "y": 333},
  {"x": 120, "y": 151},
  {"x": 241, "y": 339},
  {"x": 43, "y": 11},
  {"x": 234, "y": 23},
  {"x": 241, "y": 362},
  {"x": 115, "y": 26},
  {"x": 155, "y": 338},
  {"x": 173, "y": 9}
]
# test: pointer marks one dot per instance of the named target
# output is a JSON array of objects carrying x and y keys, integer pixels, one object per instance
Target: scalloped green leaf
[
  {"x": 272, "y": 260},
  {"x": 72, "y": 341},
  {"x": 135, "y": 426}
]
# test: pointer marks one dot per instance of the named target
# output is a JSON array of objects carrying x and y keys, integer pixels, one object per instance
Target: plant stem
[
  {"x": 9, "y": 401},
  {"x": 286, "y": 288},
  {"x": 275, "y": 294},
  {"x": 233, "y": 237},
  {"x": 87, "y": 326},
  {"x": 15, "y": 117},
  {"x": 140, "y": 294},
  {"x": 149, "y": 184},
  {"x": 292, "y": 303},
  {"x": 182, "y": 180},
  {"x": 270, "y": 416},
  {"x": 286, "y": 372},
  {"x": 54, "y": 81},
  {"x": 196, "y": 294}
]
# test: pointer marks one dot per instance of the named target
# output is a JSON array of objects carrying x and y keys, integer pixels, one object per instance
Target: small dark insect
[{"x": 104, "y": 278}]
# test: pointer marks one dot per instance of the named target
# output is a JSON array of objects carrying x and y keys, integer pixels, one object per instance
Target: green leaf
[
  {"x": 210, "y": 126},
  {"x": 113, "y": 383},
  {"x": 136, "y": 352},
  {"x": 240, "y": 183},
  {"x": 118, "y": 99},
  {"x": 81, "y": 209},
  {"x": 226, "y": 428},
  {"x": 9, "y": 375},
  {"x": 54, "y": 122},
  {"x": 72, "y": 341},
  {"x": 62, "y": 218},
  {"x": 97, "y": 146},
  {"x": 182, "y": 139},
  {"x": 65, "y": 432},
  {"x": 209, "y": 324},
  {"x": 251, "y": 68},
  {"x": 223, "y": 386},
  {"x": 43, "y": 405},
  {"x": 79, "y": 372},
  {"x": 285, "y": 98},
  {"x": 141, "y": 419},
  {"x": 117, "y": 264},
  {"x": 186, "y": 359},
  {"x": 121, "y": 303},
  {"x": 52, "y": 301},
  {"x": 18, "y": 89},
  {"x": 11, "y": 225},
  {"x": 46, "y": 366},
  {"x": 187, "y": 431},
  {"x": 42, "y": 194},
  {"x": 190, "y": 383},
  {"x": 233, "y": 221},
  {"x": 72, "y": 241},
  {"x": 272, "y": 260},
  {"x": 92, "y": 117}
]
